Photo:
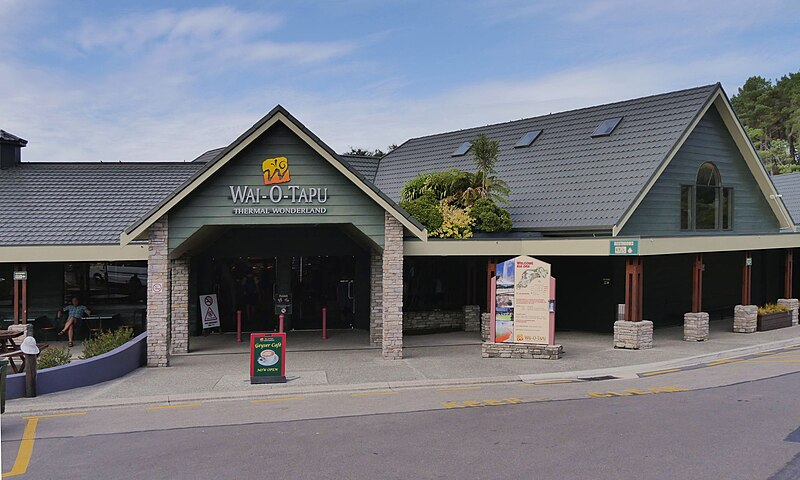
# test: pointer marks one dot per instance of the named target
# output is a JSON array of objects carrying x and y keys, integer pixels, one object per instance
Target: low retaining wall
[
  {"x": 467, "y": 319},
  {"x": 82, "y": 373},
  {"x": 521, "y": 350}
]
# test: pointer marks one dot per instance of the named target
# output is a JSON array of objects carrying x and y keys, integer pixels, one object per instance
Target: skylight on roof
[
  {"x": 606, "y": 127},
  {"x": 527, "y": 139},
  {"x": 461, "y": 150}
]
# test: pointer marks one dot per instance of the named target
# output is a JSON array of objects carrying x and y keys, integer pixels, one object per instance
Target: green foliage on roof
[{"x": 454, "y": 203}]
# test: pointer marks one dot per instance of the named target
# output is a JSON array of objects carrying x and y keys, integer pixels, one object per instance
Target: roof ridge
[{"x": 563, "y": 112}]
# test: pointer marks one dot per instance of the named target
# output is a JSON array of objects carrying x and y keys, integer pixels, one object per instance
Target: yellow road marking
[
  {"x": 25, "y": 449},
  {"x": 760, "y": 360},
  {"x": 661, "y": 372},
  {"x": 271, "y": 400},
  {"x": 553, "y": 382},
  {"x": 162, "y": 407},
  {"x": 722, "y": 362},
  {"x": 54, "y": 415},
  {"x": 453, "y": 389},
  {"x": 368, "y": 394}
]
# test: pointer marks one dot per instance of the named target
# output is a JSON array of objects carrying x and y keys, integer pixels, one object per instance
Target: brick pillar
[
  {"x": 793, "y": 305},
  {"x": 179, "y": 305},
  {"x": 695, "y": 326},
  {"x": 472, "y": 318},
  {"x": 486, "y": 320},
  {"x": 745, "y": 318},
  {"x": 376, "y": 299},
  {"x": 158, "y": 295},
  {"x": 392, "y": 283}
]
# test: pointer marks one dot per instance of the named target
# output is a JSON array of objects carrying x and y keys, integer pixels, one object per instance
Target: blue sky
[{"x": 164, "y": 81}]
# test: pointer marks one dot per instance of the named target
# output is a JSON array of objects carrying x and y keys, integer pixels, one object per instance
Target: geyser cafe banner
[
  {"x": 523, "y": 301},
  {"x": 264, "y": 200}
]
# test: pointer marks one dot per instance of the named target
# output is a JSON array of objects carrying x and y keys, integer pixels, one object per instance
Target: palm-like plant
[{"x": 486, "y": 183}]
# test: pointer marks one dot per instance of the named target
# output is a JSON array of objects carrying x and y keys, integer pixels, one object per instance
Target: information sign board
[
  {"x": 624, "y": 247},
  {"x": 283, "y": 303},
  {"x": 524, "y": 302},
  {"x": 268, "y": 358},
  {"x": 209, "y": 310}
]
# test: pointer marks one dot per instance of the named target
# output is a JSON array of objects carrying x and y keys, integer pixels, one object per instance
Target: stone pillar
[
  {"x": 695, "y": 327},
  {"x": 633, "y": 335},
  {"x": 392, "y": 283},
  {"x": 793, "y": 305},
  {"x": 486, "y": 328},
  {"x": 158, "y": 295},
  {"x": 376, "y": 299},
  {"x": 472, "y": 318},
  {"x": 745, "y": 318},
  {"x": 179, "y": 305}
]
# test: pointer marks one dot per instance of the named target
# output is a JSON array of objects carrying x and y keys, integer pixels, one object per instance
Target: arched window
[{"x": 707, "y": 205}]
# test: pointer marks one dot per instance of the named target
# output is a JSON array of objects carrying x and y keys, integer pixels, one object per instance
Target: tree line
[{"x": 770, "y": 112}]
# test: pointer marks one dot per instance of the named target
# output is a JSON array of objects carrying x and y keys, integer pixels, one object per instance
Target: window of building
[
  {"x": 707, "y": 205},
  {"x": 461, "y": 149}
]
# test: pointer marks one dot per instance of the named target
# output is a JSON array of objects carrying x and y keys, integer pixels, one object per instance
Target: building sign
[
  {"x": 158, "y": 287},
  {"x": 268, "y": 358},
  {"x": 20, "y": 275},
  {"x": 209, "y": 310},
  {"x": 276, "y": 197},
  {"x": 624, "y": 247},
  {"x": 524, "y": 303}
]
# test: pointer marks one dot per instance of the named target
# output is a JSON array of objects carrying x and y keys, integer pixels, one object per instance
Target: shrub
[
  {"x": 53, "y": 357},
  {"x": 772, "y": 308},
  {"x": 456, "y": 222},
  {"x": 425, "y": 209},
  {"x": 489, "y": 217},
  {"x": 105, "y": 342},
  {"x": 442, "y": 185}
]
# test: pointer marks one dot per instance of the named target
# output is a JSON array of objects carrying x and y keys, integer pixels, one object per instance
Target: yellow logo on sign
[{"x": 276, "y": 170}]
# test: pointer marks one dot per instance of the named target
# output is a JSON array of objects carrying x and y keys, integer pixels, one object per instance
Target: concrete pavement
[{"x": 217, "y": 368}]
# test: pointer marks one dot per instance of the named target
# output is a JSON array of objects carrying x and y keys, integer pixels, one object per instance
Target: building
[{"x": 647, "y": 209}]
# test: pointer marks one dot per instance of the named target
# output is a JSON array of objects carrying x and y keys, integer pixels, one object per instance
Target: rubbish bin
[{"x": 3, "y": 373}]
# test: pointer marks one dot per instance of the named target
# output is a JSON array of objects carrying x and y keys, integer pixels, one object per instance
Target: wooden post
[
  {"x": 30, "y": 375},
  {"x": 788, "y": 287},
  {"x": 491, "y": 269},
  {"x": 747, "y": 272},
  {"x": 25, "y": 296},
  {"x": 16, "y": 297},
  {"x": 633, "y": 289},
  {"x": 697, "y": 284}
]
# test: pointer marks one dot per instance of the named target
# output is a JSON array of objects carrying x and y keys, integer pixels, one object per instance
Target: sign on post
[
  {"x": 268, "y": 358},
  {"x": 20, "y": 275},
  {"x": 283, "y": 303},
  {"x": 524, "y": 302},
  {"x": 209, "y": 310}
]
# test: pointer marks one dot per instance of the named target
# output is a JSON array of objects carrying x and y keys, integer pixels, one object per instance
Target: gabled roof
[
  {"x": 788, "y": 186},
  {"x": 567, "y": 179},
  {"x": 81, "y": 203},
  {"x": 209, "y": 155},
  {"x": 366, "y": 165},
  {"x": 6, "y": 137},
  {"x": 138, "y": 228}
]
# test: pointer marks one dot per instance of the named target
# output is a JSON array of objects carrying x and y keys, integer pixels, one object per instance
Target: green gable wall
[
  {"x": 659, "y": 213},
  {"x": 211, "y": 203}
]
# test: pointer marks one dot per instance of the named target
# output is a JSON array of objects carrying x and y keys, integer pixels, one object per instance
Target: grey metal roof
[
  {"x": 367, "y": 166},
  {"x": 566, "y": 179},
  {"x": 81, "y": 203},
  {"x": 788, "y": 186},
  {"x": 209, "y": 155},
  {"x": 6, "y": 137}
]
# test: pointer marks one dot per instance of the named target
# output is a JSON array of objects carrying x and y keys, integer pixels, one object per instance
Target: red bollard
[
  {"x": 280, "y": 323},
  {"x": 324, "y": 323},
  {"x": 238, "y": 326}
]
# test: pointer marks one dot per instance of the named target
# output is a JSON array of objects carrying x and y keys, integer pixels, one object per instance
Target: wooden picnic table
[
  {"x": 7, "y": 337},
  {"x": 18, "y": 355}
]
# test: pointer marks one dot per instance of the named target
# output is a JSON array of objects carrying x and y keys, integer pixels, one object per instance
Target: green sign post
[
  {"x": 283, "y": 303},
  {"x": 268, "y": 358}
]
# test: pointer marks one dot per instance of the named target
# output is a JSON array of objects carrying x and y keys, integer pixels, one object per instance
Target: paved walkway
[{"x": 218, "y": 366}]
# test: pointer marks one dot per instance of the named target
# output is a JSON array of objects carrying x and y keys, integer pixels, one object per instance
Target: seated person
[{"x": 75, "y": 311}]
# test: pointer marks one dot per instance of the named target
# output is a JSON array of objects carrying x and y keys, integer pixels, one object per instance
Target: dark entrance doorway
[{"x": 315, "y": 282}]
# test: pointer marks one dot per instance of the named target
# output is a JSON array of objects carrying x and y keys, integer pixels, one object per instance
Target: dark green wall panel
[
  {"x": 211, "y": 203},
  {"x": 659, "y": 212}
]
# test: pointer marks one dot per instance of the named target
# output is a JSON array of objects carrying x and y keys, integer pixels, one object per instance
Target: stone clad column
[
  {"x": 158, "y": 295},
  {"x": 793, "y": 305},
  {"x": 392, "y": 283},
  {"x": 179, "y": 305},
  {"x": 376, "y": 299}
]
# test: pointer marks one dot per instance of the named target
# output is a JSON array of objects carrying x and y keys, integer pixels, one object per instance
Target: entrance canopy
[{"x": 276, "y": 173}]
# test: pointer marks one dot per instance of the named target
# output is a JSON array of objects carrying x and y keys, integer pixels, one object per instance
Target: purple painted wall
[{"x": 82, "y": 373}]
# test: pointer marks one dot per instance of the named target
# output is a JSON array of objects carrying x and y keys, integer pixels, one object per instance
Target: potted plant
[{"x": 772, "y": 316}]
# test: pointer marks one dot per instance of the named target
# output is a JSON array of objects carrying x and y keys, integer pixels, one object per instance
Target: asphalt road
[{"x": 674, "y": 424}]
